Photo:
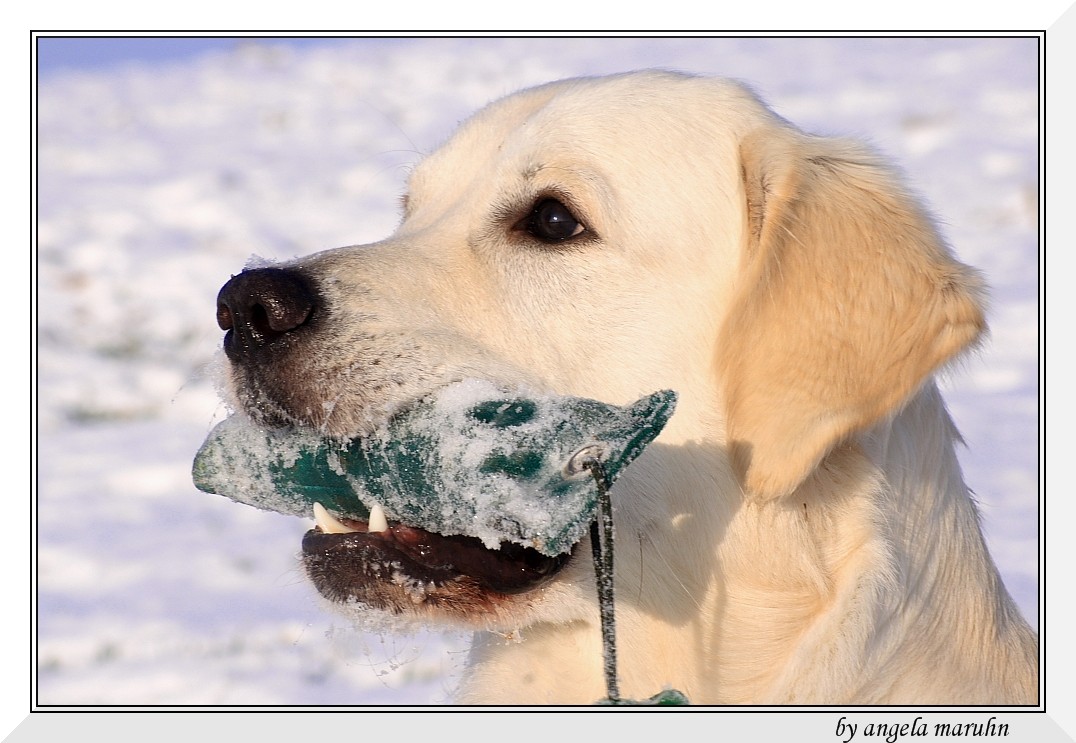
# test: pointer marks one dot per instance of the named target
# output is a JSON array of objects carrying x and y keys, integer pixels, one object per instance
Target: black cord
[{"x": 601, "y": 545}]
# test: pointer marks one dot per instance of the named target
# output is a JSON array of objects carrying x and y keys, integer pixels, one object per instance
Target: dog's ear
[{"x": 849, "y": 300}]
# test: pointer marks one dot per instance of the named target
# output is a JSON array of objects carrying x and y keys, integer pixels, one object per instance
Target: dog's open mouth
[
  {"x": 489, "y": 492},
  {"x": 400, "y": 567}
]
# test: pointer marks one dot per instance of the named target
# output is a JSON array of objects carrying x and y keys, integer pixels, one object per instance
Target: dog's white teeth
[
  {"x": 377, "y": 521},
  {"x": 328, "y": 523}
]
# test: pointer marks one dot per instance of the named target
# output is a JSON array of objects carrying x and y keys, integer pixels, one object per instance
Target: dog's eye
[{"x": 552, "y": 222}]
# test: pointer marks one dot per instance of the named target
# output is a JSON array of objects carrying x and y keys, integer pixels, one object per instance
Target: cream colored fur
[{"x": 801, "y": 532}]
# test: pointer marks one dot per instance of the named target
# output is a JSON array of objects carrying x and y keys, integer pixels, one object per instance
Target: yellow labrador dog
[{"x": 800, "y": 532}]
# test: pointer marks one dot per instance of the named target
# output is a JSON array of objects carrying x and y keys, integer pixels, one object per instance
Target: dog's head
[{"x": 606, "y": 238}]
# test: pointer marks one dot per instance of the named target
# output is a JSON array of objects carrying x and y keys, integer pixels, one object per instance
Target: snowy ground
[{"x": 157, "y": 183}]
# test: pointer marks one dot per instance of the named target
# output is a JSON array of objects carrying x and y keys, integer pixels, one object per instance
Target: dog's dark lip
[{"x": 417, "y": 555}]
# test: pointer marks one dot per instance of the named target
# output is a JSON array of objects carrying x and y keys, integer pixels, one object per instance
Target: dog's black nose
[{"x": 260, "y": 306}]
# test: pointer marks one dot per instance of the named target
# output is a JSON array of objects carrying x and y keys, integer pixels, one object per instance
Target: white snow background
[{"x": 156, "y": 182}]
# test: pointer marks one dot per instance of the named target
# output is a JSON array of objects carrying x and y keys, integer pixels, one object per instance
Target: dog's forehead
[{"x": 584, "y": 119}]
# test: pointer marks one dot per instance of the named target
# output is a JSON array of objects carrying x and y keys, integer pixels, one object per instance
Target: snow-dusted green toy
[{"x": 470, "y": 459}]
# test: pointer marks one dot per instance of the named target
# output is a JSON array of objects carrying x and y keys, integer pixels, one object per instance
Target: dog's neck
[{"x": 868, "y": 553}]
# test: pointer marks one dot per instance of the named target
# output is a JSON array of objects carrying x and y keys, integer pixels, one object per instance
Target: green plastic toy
[{"x": 470, "y": 459}]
